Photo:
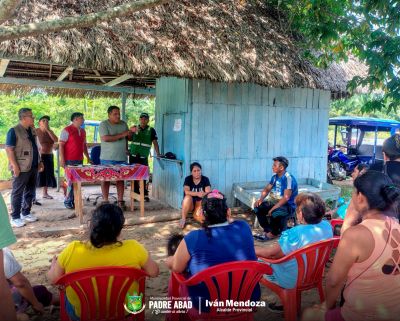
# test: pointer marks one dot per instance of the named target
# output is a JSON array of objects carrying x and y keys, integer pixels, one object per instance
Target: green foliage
[
  {"x": 335, "y": 29},
  {"x": 60, "y": 109},
  {"x": 355, "y": 106}
]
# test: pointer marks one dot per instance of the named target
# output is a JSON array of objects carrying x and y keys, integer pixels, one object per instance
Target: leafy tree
[
  {"x": 354, "y": 106},
  {"x": 335, "y": 29}
]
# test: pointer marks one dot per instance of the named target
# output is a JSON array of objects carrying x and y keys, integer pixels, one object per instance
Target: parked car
[{"x": 357, "y": 140}]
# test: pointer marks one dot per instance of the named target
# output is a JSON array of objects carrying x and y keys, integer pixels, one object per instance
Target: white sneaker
[
  {"x": 29, "y": 218},
  {"x": 17, "y": 222}
]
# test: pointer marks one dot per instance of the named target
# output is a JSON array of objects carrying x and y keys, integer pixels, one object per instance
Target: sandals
[
  {"x": 182, "y": 223},
  {"x": 263, "y": 237},
  {"x": 49, "y": 197}
]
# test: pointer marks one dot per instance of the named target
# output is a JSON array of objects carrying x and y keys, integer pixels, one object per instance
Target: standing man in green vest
[{"x": 139, "y": 151}]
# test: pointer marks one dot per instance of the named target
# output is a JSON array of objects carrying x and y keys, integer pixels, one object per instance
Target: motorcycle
[{"x": 340, "y": 165}]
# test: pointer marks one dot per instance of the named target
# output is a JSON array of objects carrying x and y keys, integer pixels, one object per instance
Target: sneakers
[
  {"x": 17, "y": 222},
  {"x": 68, "y": 205},
  {"x": 29, "y": 218}
]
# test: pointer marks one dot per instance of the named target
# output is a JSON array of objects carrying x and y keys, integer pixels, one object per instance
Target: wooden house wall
[
  {"x": 234, "y": 131},
  {"x": 172, "y": 102}
]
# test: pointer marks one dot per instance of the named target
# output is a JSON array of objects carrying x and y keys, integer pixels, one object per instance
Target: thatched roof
[{"x": 220, "y": 40}]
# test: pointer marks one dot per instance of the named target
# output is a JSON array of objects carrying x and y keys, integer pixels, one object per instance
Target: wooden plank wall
[
  {"x": 172, "y": 98},
  {"x": 236, "y": 130}
]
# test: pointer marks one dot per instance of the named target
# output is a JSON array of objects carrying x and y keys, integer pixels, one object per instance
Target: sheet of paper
[{"x": 178, "y": 125}]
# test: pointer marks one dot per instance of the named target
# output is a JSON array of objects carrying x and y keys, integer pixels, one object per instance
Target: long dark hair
[
  {"x": 379, "y": 190},
  {"x": 106, "y": 225},
  {"x": 214, "y": 209}
]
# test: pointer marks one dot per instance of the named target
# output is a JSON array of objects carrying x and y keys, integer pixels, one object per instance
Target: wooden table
[{"x": 99, "y": 173}]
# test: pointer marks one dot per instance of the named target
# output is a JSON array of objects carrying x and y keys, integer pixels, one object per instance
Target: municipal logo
[{"x": 134, "y": 303}]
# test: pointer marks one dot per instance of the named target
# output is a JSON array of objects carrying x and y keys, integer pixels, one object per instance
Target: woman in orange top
[{"x": 367, "y": 261}]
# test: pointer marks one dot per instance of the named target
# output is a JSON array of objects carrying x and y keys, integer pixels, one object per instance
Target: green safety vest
[{"x": 141, "y": 143}]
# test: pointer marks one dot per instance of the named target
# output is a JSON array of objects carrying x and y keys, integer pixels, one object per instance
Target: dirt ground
[{"x": 39, "y": 241}]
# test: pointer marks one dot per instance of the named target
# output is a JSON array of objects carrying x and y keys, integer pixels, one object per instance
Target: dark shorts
[{"x": 47, "y": 178}]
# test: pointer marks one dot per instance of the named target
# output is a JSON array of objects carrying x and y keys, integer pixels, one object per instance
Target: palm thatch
[{"x": 220, "y": 40}]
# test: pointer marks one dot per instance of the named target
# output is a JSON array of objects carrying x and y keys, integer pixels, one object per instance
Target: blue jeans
[{"x": 69, "y": 198}]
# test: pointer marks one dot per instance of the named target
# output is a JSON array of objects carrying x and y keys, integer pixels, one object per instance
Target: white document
[{"x": 178, "y": 125}]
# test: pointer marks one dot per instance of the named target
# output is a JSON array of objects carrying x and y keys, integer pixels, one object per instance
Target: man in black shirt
[
  {"x": 391, "y": 158},
  {"x": 390, "y": 166}
]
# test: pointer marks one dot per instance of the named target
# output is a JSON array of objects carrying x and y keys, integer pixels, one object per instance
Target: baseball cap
[
  {"x": 144, "y": 115},
  {"x": 44, "y": 117}
]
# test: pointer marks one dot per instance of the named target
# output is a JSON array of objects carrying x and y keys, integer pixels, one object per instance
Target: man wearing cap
[
  {"x": 72, "y": 148},
  {"x": 139, "y": 150},
  {"x": 47, "y": 138},
  {"x": 24, "y": 158},
  {"x": 281, "y": 191},
  {"x": 114, "y": 133}
]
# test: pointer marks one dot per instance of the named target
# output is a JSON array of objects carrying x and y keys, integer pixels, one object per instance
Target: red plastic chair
[
  {"x": 93, "y": 288},
  {"x": 336, "y": 222},
  {"x": 241, "y": 276},
  {"x": 311, "y": 262}
]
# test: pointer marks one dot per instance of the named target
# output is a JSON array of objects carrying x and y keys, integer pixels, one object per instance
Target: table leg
[
  {"x": 78, "y": 201},
  {"x": 131, "y": 196},
  {"x": 141, "y": 188}
]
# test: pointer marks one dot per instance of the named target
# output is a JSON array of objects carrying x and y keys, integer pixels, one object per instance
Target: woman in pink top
[{"x": 366, "y": 266}]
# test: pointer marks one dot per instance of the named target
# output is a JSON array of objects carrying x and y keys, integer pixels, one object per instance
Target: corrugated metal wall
[{"x": 234, "y": 131}]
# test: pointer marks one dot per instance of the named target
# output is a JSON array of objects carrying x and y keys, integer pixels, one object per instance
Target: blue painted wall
[{"x": 234, "y": 131}]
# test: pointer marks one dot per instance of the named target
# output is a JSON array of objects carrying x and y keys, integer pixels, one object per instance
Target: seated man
[
  {"x": 281, "y": 191},
  {"x": 23, "y": 293}
]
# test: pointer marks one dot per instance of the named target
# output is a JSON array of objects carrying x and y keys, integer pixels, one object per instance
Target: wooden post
[
  {"x": 78, "y": 201},
  {"x": 141, "y": 188},
  {"x": 132, "y": 195},
  {"x": 123, "y": 106}
]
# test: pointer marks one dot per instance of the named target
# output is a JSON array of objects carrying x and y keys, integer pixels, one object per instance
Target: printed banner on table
[{"x": 95, "y": 173}]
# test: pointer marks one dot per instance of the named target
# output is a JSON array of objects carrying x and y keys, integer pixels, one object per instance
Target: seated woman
[
  {"x": 104, "y": 249},
  {"x": 194, "y": 188},
  {"x": 366, "y": 260},
  {"x": 310, "y": 209},
  {"x": 219, "y": 241}
]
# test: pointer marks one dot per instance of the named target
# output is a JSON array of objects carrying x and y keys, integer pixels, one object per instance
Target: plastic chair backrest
[
  {"x": 95, "y": 154},
  {"x": 228, "y": 281},
  {"x": 96, "y": 286},
  {"x": 311, "y": 261}
]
